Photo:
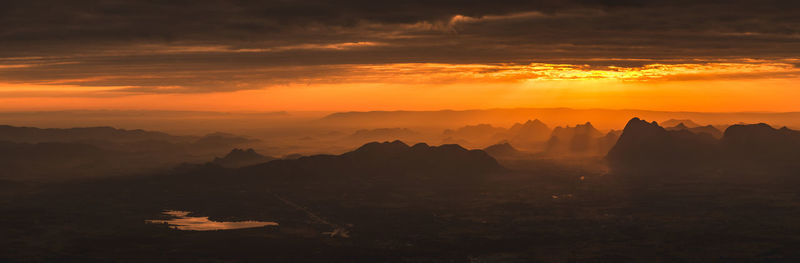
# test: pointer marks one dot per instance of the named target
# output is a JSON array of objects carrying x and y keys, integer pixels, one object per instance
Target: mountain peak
[
  {"x": 241, "y": 157},
  {"x": 649, "y": 146},
  {"x": 637, "y": 124}
]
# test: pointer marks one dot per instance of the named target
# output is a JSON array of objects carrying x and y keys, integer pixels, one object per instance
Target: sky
[{"x": 347, "y": 55}]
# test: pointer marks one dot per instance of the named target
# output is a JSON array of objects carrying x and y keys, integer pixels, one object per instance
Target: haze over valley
[{"x": 399, "y": 131}]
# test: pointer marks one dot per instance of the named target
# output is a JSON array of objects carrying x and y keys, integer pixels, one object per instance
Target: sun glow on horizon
[{"x": 719, "y": 86}]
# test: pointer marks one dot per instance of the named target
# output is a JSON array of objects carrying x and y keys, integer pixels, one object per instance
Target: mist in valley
[{"x": 381, "y": 187}]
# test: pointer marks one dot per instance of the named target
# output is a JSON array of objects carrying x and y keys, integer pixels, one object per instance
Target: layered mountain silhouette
[
  {"x": 649, "y": 147},
  {"x": 579, "y": 140},
  {"x": 239, "y": 158},
  {"x": 475, "y": 135},
  {"x": 532, "y": 134}
]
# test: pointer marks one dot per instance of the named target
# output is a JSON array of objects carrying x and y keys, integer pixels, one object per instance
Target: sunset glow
[
  {"x": 399, "y": 131},
  {"x": 719, "y": 86}
]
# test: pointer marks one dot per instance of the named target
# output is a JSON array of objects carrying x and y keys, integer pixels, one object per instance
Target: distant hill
[
  {"x": 710, "y": 130},
  {"x": 476, "y": 136},
  {"x": 89, "y": 134},
  {"x": 239, "y": 158},
  {"x": 531, "y": 134},
  {"x": 673, "y": 123},
  {"x": 582, "y": 139},
  {"x": 112, "y": 138},
  {"x": 502, "y": 150},
  {"x": 100, "y": 151}
]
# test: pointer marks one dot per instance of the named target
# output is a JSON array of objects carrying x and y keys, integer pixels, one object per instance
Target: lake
[{"x": 182, "y": 221}]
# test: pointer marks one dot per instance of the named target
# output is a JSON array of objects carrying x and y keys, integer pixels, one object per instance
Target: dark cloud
[{"x": 220, "y": 45}]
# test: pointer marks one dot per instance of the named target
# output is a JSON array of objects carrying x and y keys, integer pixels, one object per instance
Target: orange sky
[{"x": 725, "y": 86}]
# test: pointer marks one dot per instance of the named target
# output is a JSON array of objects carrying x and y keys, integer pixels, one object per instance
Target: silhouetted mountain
[
  {"x": 374, "y": 160},
  {"x": 477, "y": 135},
  {"x": 754, "y": 147},
  {"x": 531, "y": 134},
  {"x": 648, "y": 146},
  {"x": 762, "y": 145},
  {"x": 502, "y": 150},
  {"x": 686, "y": 123},
  {"x": 579, "y": 140},
  {"x": 239, "y": 158}
]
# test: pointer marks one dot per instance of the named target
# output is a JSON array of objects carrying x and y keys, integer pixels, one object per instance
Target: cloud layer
[{"x": 207, "y": 46}]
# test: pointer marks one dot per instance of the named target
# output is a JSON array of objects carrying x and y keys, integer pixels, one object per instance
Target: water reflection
[{"x": 182, "y": 221}]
